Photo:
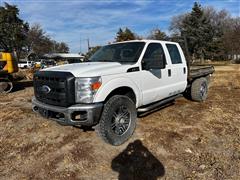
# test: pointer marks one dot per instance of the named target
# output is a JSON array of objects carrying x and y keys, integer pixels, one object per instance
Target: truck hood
[{"x": 91, "y": 69}]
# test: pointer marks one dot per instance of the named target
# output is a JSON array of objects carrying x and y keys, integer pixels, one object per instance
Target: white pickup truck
[
  {"x": 24, "y": 64},
  {"x": 117, "y": 82}
]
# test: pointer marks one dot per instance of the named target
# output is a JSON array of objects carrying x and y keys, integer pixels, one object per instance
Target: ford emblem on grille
[{"x": 45, "y": 89}]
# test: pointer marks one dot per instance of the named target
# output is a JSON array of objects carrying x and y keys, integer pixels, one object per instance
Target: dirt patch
[{"x": 186, "y": 140}]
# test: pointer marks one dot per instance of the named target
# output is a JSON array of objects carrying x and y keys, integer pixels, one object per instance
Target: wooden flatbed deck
[{"x": 199, "y": 71}]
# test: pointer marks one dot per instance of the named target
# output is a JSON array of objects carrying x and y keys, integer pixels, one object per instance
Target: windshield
[{"x": 122, "y": 53}]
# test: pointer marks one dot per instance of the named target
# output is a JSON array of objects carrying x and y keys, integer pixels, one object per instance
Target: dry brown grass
[{"x": 188, "y": 139}]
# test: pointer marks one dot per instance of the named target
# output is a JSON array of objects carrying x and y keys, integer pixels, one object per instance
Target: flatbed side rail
[{"x": 196, "y": 72}]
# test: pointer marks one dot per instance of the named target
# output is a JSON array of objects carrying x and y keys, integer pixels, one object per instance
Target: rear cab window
[{"x": 174, "y": 53}]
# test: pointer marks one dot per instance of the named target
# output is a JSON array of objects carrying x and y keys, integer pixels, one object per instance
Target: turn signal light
[{"x": 96, "y": 85}]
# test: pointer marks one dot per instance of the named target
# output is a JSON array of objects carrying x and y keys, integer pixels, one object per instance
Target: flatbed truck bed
[{"x": 199, "y": 71}]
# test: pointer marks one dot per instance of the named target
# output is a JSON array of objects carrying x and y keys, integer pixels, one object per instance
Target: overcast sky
[{"x": 74, "y": 21}]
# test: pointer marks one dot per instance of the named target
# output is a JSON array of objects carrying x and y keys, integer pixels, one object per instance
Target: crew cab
[{"x": 119, "y": 81}]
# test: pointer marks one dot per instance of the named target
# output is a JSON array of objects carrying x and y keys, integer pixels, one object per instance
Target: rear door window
[{"x": 174, "y": 54}]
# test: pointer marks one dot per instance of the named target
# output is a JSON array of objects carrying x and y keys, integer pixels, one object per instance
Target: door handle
[
  {"x": 184, "y": 70},
  {"x": 169, "y": 73}
]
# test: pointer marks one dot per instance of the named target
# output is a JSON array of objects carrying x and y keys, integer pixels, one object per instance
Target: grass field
[{"x": 184, "y": 140}]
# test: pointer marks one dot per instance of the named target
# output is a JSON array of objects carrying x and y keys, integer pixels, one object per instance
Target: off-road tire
[
  {"x": 6, "y": 85},
  {"x": 199, "y": 89},
  {"x": 104, "y": 128}
]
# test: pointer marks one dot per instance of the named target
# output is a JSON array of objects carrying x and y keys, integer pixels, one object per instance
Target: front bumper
[{"x": 79, "y": 114}]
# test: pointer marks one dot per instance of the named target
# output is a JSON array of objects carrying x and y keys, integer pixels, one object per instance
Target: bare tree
[{"x": 40, "y": 43}]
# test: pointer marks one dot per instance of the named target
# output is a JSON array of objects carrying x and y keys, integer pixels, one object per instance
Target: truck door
[
  {"x": 178, "y": 71},
  {"x": 155, "y": 84}
]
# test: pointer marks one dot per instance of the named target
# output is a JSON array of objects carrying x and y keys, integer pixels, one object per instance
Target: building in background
[{"x": 65, "y": 58}]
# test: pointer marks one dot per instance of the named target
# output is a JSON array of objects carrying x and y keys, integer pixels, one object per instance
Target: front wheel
[{"x": 118, "y": 120}]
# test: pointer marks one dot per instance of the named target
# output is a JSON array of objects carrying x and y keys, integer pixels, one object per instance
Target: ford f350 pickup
[{"x": 117, "y": 82}]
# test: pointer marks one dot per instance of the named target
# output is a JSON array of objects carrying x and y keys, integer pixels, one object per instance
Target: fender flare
[{"x": 117, "y": 83}]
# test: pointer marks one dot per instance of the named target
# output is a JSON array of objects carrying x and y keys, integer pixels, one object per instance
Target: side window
[
  {"x": 154, "y": 56},
  {"x": 174, "y": 54}
]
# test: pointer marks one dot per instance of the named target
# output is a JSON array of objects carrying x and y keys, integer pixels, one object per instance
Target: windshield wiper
[
  {"x": 100, "y": 61},
  {"x": 126, "y": 62},
  {"x": 121, "y": 62}
]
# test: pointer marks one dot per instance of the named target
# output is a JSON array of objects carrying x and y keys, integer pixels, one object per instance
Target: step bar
[{"x": 157, "y": 104}]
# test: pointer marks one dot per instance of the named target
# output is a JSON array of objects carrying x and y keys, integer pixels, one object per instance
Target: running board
[{"x": 157, "y": 104}]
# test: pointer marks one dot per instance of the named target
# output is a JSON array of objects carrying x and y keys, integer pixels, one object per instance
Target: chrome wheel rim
[
  {"x": 203, "y": 89},
  {"x": 121, "y": 120}
]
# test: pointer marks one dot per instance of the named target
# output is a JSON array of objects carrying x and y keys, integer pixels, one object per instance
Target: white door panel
[
  {"x": 154, "y": 85},
  {"x": 158, "y": 84},
  {"x": 178, "y": 68}
]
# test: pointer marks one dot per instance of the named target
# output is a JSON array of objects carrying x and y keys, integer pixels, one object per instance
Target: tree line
[
  {"x": 203, "y": 33},
  {"x": 18, "y": 36}
]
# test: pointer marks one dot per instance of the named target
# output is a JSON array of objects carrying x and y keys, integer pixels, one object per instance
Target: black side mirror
[{"x": 147, "y": 65}]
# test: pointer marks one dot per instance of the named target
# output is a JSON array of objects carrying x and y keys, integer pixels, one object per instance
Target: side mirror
[{"x": 148, "y": 65}]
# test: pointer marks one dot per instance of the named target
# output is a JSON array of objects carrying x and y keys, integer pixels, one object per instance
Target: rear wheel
[
  {"x": 118, "y": 120},
  {"x": 199, "y": 89},
  {"x": 5, "y": 85}
]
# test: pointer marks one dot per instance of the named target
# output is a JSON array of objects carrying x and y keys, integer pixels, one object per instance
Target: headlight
[{"x": 86, "y": 88}]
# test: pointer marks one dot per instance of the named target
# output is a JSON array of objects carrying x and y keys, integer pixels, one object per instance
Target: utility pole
[
  {"x": 88, "y": 44},
  {"x": 80, "y": 45}
]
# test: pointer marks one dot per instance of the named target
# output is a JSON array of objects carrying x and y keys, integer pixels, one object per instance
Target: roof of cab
[{"x": 146, "y": 41}]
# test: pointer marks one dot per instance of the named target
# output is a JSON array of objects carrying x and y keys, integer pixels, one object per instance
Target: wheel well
[{"x": 127, "y": 91}]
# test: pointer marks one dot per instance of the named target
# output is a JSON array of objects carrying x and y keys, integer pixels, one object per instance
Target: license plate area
[{"x": 43, "y": 112}]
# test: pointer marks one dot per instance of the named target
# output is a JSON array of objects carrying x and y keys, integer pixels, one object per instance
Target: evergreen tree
[
  {"x": 157, "y": 34},
  {"x": 91, "y": 52},
  {"x": 220, "y": 38},
  {"x": 125, "y": 35},
  {"x": 198, "y": 32}
]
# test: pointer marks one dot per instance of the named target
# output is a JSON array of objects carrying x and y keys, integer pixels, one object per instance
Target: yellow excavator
[{"x": 8, "y": 66}]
